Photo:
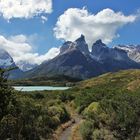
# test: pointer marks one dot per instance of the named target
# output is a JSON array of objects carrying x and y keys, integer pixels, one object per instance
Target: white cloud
[
  {"x": 53, "y": 52},
  {"x": 24, "y": 8},
  {"x": 44, "y": 19},
  {"x": 18, "y": 38},
  {"x": 21, "y": 51},
  {"x": 103, "y": 25}
]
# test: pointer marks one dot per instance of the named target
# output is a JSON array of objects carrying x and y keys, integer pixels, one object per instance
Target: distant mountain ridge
[
  {"x": 76, "y": 61},
  {"x": 133, "y": 51}
]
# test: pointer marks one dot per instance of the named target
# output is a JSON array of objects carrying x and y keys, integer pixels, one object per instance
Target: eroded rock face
[{"x": 75, "y": 60}]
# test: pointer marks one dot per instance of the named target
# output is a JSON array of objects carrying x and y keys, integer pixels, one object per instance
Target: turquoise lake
[{"x": 38, "y": 88}]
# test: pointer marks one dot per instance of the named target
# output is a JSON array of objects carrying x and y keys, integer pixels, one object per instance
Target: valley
[
  {"x": 77, "y": 95},
  {"x": 69, "y": 70},
  {"x": 102, "y": 107}
]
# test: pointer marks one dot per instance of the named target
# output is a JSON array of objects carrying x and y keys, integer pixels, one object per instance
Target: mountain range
[{"x": 76, "y": 61}]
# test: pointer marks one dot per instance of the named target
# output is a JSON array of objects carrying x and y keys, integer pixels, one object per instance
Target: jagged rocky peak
[
  {"x": 5, "y": 59},
  {"x": 75, "y": 60},
  {"x": 82, "y": 45},
  {"x": 80, "y": 39},
  {"x": 79, "y": 44},
  {"x": 98, "y": 46}
]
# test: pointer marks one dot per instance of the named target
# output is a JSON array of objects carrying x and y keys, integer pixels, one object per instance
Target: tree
[{"x": 5, "y": 93}]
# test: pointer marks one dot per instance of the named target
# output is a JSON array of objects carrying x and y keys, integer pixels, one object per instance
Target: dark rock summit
[{"x": 76, "y": 61}]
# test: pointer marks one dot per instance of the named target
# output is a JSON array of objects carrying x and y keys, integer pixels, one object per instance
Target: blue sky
[{"x": 45, "y": 38}]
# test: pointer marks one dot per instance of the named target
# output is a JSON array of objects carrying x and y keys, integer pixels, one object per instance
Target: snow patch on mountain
[
  {"x": 5, "y": 59},
  {"x": 133, "y": 51}
]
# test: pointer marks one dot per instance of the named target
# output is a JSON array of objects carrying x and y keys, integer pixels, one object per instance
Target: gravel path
[{"x": 66, "y": 135}]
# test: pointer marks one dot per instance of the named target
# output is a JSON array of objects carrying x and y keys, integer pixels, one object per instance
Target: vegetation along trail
[{"x": 68, "y": 132}]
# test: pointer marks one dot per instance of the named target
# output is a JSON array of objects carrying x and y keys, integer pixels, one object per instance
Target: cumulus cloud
[
  {"x": 24, "y": 8},
  {"x": 21, "y": 51},
  {"x": 18, "y": 38},
  {"x": 103, "y": 25},
  {"x": 44, "y": 19}
]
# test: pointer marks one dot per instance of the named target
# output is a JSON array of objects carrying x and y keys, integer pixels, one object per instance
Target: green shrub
[
  {"x": 29, "y": 116},
  {"x": 91, "y": 110},
  {"x": 102, "y": 134},
  {"x": 66, "y": 96},
  {"x": 86, "y": 130}
]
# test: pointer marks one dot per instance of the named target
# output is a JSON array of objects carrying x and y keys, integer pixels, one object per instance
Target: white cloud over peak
[
  {"x": 24, "y": 8},
  {"x": 103, "y": 25},
  {"x": 22, "y": 52}
]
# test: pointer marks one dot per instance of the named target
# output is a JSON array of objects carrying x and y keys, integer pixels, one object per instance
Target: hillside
[
  {"x": 110, "y": 106},
  {"x": 125, "y": 79},
  {"x": 105, "y": 107}
]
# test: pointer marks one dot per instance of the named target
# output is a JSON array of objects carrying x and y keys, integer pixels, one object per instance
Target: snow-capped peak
[
  {"x": 133, "y": 51},
  {"x": 5, "y": 59}
]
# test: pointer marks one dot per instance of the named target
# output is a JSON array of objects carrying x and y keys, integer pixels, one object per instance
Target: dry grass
[
  {"x": 134, "y": 85},
  {"x": 62, "y": 128},
  {"x": 126, "y": 79},
  {"x": 75, "y": 133}
]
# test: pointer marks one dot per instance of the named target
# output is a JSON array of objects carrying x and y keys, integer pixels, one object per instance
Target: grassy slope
[
  {"x": 86, "y": 94},
  {"x": 88, "y": 91},
  {"x": 127, "y": 79},
  {"x": 99, "y": 87},
  {"x": 103, "y": 89}
]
